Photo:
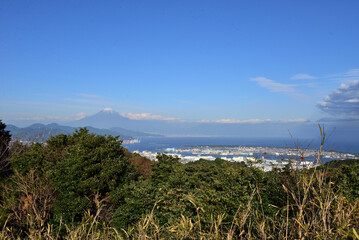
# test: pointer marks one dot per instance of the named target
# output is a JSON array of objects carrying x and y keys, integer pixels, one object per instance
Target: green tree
[
  {"x": 5, "y": 138},
  {"x": 82, "y": 169},
  {"x": 87, "y": 166}
]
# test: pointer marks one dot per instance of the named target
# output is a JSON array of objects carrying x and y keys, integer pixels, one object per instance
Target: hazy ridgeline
[{"x": 87, "y": 186}]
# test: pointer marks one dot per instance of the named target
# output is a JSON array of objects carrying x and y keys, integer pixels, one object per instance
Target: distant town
[{"x": 262, "y": 157}]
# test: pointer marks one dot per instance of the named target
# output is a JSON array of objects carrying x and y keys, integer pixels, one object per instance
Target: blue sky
[{"x": 192, "y": 60}]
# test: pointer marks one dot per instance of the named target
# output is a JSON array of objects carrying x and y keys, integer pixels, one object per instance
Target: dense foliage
[
  {"x": 73, "y": 178},
  {"x": 5, "y": 138}
]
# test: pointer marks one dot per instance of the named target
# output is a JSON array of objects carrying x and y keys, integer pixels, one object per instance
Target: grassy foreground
[
  {"x": 84, "y": 186},
  {"x": 318, "y": 214}
]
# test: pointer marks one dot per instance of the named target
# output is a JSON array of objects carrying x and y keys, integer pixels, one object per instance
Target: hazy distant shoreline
[{"x": 157, "y": 143}]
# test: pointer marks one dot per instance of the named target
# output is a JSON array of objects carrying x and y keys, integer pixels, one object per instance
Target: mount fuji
[{"x": 109, "y": 119}]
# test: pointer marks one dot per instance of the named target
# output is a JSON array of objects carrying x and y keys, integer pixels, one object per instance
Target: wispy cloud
[
  {"x": 72, "y": 117},
  {"x": 273, "y": 86},
  {"x": 85, "y": 95},
  {"x": 91, "y": 99},
  {"x": 344, "y": 100},
  {"x": 148, "y": 116},
  {"x": 345, "y": 77},
  {"x": 296, "y": 88},
  {"x": 184, "y": 101},
  {"x": 302, "y": 76},
  {"x": 33, "y": 118},
  {"x": 352, "y": 73},
  {"x": 338, "y": 120},
  {"x": 76, "y": 116},
  {"x": 254, "y": 121}
]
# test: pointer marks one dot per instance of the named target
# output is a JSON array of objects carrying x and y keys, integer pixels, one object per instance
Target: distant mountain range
[
  {"x": 40, "y": 132},
  {"x": 109, "y": 119},
  {"x": 110, "y": 122}
]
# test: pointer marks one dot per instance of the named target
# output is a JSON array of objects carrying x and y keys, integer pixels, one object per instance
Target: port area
[{"x": 265, "y": 158}]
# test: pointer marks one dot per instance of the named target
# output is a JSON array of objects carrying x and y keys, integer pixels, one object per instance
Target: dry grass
[{"x": 89, "y": 229}]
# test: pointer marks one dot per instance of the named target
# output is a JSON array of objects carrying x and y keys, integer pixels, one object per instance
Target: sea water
[{"x": 158, "y": 144}]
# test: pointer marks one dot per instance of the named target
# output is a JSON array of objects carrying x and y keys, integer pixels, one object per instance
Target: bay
[{"x": 158, "y": 144}]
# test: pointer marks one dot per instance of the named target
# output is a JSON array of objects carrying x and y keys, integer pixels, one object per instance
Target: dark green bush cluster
[{"x": 75, "y": 169}]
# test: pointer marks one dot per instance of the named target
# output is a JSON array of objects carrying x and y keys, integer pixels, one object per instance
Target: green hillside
[{"x": 87, "y": 186}]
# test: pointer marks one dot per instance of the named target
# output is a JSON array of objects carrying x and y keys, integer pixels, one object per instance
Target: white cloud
[
  {"x": 302, "y": 76},
  {"x": 233, "y": 120},
  {"x": 148, "y": 116},
  {"x": 298, "y": 120},
  {"x": 344, "y": 100},
  {"x": 354, "y": 100},
  {"x": 77, "y": 116},
  {"x": 273, "y": 86},
  {"x": 254, "y": 121}
]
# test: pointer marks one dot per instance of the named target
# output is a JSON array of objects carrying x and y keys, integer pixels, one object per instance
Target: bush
[
  {"x": 77, "y": 167},
  {"x": 5, "y": 138}
]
